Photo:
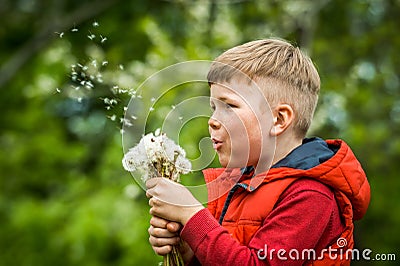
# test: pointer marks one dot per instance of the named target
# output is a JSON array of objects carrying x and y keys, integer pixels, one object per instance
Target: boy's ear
[{"x": 283, "y": 116}]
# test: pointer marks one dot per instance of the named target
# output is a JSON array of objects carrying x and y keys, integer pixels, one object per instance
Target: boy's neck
[{"x": 284, "y": 145}]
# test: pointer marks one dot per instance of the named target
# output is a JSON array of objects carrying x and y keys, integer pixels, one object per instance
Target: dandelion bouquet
[{"x": 158, "y": 156}]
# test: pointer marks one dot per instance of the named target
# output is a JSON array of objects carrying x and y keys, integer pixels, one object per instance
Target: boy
[{"x": 298, "y": 211}]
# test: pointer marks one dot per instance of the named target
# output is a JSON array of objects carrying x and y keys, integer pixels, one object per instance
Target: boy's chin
[{"x": 231, "y": 164}]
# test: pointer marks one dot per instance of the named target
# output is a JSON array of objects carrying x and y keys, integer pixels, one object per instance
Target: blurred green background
[{"x": 65, "y": 199}]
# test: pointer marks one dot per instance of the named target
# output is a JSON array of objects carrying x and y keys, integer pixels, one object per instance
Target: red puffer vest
[{"x": 342, "y": 172}]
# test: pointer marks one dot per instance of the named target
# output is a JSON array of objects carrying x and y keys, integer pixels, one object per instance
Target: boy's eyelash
[{"x": 212, "y": 107}]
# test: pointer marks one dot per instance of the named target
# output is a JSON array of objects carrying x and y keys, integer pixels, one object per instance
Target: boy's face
[{"x": 240, "y": 125}]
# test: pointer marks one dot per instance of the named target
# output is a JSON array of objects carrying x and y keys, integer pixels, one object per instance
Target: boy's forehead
[
  {"x": 237, "y": 87},
  {"x": 248, "y": 93}
]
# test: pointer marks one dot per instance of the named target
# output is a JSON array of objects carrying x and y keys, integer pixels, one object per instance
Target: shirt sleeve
[{"x": 295, "y": 225}]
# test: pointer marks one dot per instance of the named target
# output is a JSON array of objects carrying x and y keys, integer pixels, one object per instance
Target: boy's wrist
[{"x": 189, "y": 213}]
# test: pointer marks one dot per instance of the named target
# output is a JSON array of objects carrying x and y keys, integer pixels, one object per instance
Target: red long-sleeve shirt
[{"x": 306, "y": 217}]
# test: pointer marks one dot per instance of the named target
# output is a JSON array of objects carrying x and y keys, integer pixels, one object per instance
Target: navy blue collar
[{"x": 311, "y": 153}]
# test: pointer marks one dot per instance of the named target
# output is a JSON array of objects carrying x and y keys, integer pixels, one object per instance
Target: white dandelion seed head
[
  {"x": 157, "y": 155},
  {"x": 183, "y": 165}
]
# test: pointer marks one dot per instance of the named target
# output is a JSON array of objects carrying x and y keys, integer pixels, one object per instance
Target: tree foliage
[{"x": 65, "y": 199}]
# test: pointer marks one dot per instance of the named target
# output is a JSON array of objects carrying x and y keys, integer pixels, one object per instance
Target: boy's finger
[
  {"x": 152, "y": 182},
  {"x": 160, "y": 232},
  {"x": 162, "y": 251},
  {"x": 158, "y": 222},
  {"x": 161, "y": 242}
]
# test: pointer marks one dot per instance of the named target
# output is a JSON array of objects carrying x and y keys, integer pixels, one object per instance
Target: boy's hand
[
  {"x": 171, "y": 201},
  {"x": 164, "y": 235}
]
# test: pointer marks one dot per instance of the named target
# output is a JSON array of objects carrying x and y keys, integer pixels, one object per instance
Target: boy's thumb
[{"x": 173, "y": 227}]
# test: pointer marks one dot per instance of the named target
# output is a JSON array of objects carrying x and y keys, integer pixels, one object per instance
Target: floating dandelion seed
[
  {"x": 89, "y": 85},
  {"x": 125, "y": 108},
  {"x": 133, "y": 117},
  {"x": 91, "y": 36},
  {"x": 121, "y": 67},
  {"x": 84, "y": 68},
  {"x": 104, "y": 63},
  {"x": 103, "y": 39},
  {"x": 126, "y": 122},
  {"x": 180, "y": 118},
  {"x": 94, "y": 62},
  {"x": 79, "y": 99},
  {"x": 110, "y": 101},
  {"x": 173, "y": 107},
  {"x": 74, "y": 29},
  {"x": 99, "y": 78},
  {"x": 152, "y": 99},
  {"x": 58, "y": 90},
  {"x": 95, "y": 24},
  {"x": 60, "y": 34},
  {"x": 113, "y": 117},
  {"x": 151, "y": 109}
]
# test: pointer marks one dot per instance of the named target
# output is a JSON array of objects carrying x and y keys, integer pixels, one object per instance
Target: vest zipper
[{"x": 228, "y": 200}]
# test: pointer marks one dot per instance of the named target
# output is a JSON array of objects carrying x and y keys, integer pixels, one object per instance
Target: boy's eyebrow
[{"x": 222, "y": 99}]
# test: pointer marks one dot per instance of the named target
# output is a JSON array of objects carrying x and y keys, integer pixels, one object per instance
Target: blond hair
[{"x": 283, "y": 71}]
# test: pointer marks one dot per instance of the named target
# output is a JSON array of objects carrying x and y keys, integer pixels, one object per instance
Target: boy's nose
[{"x": 213, "y": 123}]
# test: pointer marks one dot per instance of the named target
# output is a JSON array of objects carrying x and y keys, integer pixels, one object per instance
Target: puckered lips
[{"x": 217, "y": 144}]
